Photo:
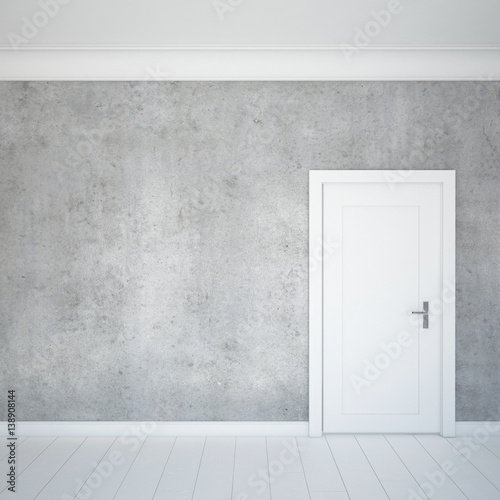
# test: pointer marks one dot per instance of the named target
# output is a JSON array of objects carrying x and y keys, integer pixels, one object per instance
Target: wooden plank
[
  {"x": 355, "y": 469},
  {"x": 329, "y": 495},
  {"x": 286, "y": 474},
  {"x": 493, "y": 444},
  {"x": 481, "y": 457},
  {"x": 250, "y": 466},
  {"x": 179, "y": 476},
  {"x": 320, "y": 468},
  {"x": 425, "y": 470},
  {"x": 44, "y": 468},
  {"x": 145, "y": 473},
  {"x": 32, "y": 448},
  {"x": 110, "y": 472},
  {"x": 286, "y": 451},
  {"x": 390, "y": 470},
  {"x": 68, "y": 480},
  {"x": 215, "y": 478},
  {"x": 473, "y": 484},
  {"x": 29, "y": 452},
  {"x": 289, "y": 486}
]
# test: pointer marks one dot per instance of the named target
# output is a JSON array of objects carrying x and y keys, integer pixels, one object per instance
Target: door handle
[{"x": 425, "y": 313}]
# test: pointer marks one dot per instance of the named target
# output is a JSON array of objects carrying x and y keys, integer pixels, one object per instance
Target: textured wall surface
[{"x": 153, "y": 245}]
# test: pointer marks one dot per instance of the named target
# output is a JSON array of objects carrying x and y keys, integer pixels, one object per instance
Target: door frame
[{"x": 318, "y": 250}]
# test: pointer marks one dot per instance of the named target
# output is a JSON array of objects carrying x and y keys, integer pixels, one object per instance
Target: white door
[{"x": 382, "y": 357}]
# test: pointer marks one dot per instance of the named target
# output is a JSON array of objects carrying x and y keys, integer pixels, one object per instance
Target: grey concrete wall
[{"x": 154, "y": 238}]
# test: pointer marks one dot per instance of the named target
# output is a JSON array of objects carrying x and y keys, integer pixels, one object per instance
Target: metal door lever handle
[{"x": 425, "y": 312}]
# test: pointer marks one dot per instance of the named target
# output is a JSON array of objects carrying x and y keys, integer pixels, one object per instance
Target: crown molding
[{"x": 175, "y": 63}]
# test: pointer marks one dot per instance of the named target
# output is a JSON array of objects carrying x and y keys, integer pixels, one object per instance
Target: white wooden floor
[{"x": 336, "y": 467}]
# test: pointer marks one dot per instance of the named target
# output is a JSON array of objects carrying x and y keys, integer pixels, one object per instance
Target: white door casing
[{"x": 381, "y": 243}]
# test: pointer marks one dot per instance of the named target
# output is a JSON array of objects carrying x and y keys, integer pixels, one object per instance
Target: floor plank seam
[
  {"x": 269, "y": 471},
  {"x": 42, "y": 451},
  {"x": 129, "y": 469},
  {"x": 403, "y": 462},
  {"x": 164, "y": 468},
  {"x": 303, "y": 470},
  {"x": 337, "y": 465},
  {"x": 92, "y": 471},
  {"x": 439, "y": 466},
  {"x": 234, "y": 466},
  {"x": 57, "y": 471},
  {"x": 488, "y": 448},
  {"x": 473, "y": 465},
  {"x": 371, "y": 466},
  {"x": 199, "y": 468}
]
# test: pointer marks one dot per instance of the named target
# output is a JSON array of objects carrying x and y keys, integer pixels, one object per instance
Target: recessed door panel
[{"x": 380, "y": 246}]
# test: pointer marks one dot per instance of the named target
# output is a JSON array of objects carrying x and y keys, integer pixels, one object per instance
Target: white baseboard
[
  {"x": 250, "y": 63},
  {"x": 159, "y": 428},
  {"x": 479, "y": 429}
]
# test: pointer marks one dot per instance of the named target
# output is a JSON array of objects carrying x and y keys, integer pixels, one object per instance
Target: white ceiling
[{"x": 255, "y": 22}]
